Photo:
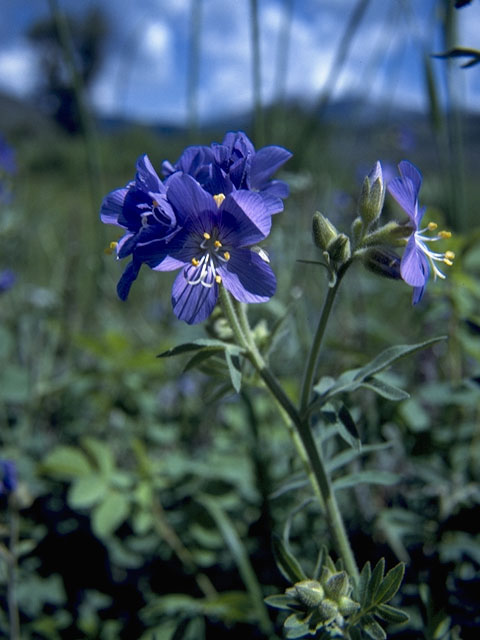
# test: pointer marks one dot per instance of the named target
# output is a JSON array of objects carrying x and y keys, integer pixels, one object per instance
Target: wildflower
[
  {"x": 213, "y": 248},
  {"x": 8, "y": 168},
  {"x": 7, "y": 280},
  {"x": 418, "y": 260},
  {"x": 234, "y": 164},
  {"x": 142, "y": 209},
  {"x": 8, "y": 477}
]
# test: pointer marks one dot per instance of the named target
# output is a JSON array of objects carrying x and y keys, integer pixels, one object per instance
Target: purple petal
[
  {"x": 169, "y": 264},
  {"x": 276, "y": 188},
  {"x": 248, "y": 277},
  {"x": 126, "y": 244},
  {"x": 417, "y": 294},
  {"x": 192, "y": 303},
  {"x": 146, "y": 178},
  {"x": 414, "y": 266},
  {"x": 404, "y": 192},
  {"x": 265, "y": 162},
  {"x": 272, "y": 203},
  {"x": 128, "y": 278},
  {"x": 188, "y": 198},
  {"x": 112, "y": 206},
  {"x": 247, "y": 206},
  {"x": 410, "y": 171}
]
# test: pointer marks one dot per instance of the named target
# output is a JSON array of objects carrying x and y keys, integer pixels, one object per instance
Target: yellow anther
[
  {"x": 432, "y": 226},
  {"x": 111, "y": 248},
  {"x": 449, "y": 255},
  {"x": 448, "y": 262},
  {"x": 195, "y": 262},
  {"x": 219, "y": 198},
  {"x": 206, "y": 236},
  {"x": 155, "y": 203},
  {"x": 226, "y": 255},
  {"x": 217, "y": 244},
  {"x": 218, "y": 279},
  {"x": 445, "y": 234}
]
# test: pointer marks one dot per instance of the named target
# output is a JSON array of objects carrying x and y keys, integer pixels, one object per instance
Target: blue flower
[
  {"x": 142, "y": 209},
  {"x": 418, "y": 260},
  {"x": 213, "y": 248},
  {"x": 233, "y": 165},
  {"x": 7, "y": 280},
  {"x": 8, "y": 477}
]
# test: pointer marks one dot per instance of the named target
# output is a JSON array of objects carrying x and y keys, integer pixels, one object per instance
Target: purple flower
[
  {"x": 213, "y": 248},
  {"x": 8, "y": 476},
  {"x": 233, "y": 165},
  {"x": 418, "y": 260},
  {"x": 142, "y": 209},
  {"x": 7, "y": 280}
]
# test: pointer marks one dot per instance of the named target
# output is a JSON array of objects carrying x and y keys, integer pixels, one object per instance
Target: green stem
[
  {"x": 13, "y": 615},
  {"x": 232, "y": 317},
  {"x": 319, "y": 476}
]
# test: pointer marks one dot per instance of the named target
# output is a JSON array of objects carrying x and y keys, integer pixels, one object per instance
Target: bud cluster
[{"x": 325, "y": 603}]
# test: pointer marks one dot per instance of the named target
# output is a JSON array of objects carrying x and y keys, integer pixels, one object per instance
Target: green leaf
[
  {"x": 287, "y": 564},
  {"x": 281, "y": 601},
  {"x": 375, "y": 581},
  {"x": 390, "y": 584},
  {"x": 348, "y": 429},
  {"x": 294, "y": 627},
  {"x": 200, "y": 344},
  {"x": 199, "y": 358},
  {"x": 391, "y": 355},
  {"x": 234, "y": 369},
  {"x": 101, "y": 453},
  {"x": 391, "y": 614},
  {"x": 366, "y": 477},
  {"x": 86, "y": 491},
  {"x": 385, "y": 389},
  {"x": 110, "y": 513},
  {"x": 67, "y": 462},
  {"x": 347, "y": 456},
  {"x": 362, "y": 588},
  {"x": 373, "y": 629}
]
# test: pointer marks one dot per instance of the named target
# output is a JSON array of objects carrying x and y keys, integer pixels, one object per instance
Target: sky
[{"x": 144, "y": 74}]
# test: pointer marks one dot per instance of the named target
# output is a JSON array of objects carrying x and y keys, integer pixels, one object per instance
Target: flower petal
[
  {"x": 188, "y": 198},
  {"x": 264, "y": 164},
  {"x": 248, "y": 277},
  {"x": 404, "y": 192},
  {"x": 147, "y": 179},
  {"x": 414, "y": 266},
  {"x": 128, "y": 278},
  {"x": 192, "y": 303},
  {"x": 112, "y": 206},
  {"x": 248, "y": 206}
]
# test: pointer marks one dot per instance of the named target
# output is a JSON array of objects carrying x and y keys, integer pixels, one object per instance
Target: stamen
[
  {"x": 449, "y": 255},
  {"x": 445, "y": 234},
  {"x": 448, "y": 262},
  {"x": 111, "y": 248},
  {"x": 219, "y": 198},
  {"x": 113, "y": 245},
  {"x": 154, "y": 203},
  {"x": 226, "y": 255},
  {"x": 195, "y": 262},
  {"x": 217, "y": 244},
  {"x": 218, "y": 279},
  {"x": 207, "y": 236},
  {"x": 432, "y": 226}
]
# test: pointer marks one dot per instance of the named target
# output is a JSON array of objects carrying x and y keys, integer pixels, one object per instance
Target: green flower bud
[
  {"x": 347, "y": 606},
  {"x": 339, "y": 248},
  {"x": 392, "y": 234},
  {"x": 327, "y": 610},
  {"x": 357, "y": 230},
  {"x": 323, "y": 231},
  {"x": 383, "y": 262},
  {"x": 309, "y": 592},
  {"x": 372, "y": 196},
  {"x": 337, "y": 585}
]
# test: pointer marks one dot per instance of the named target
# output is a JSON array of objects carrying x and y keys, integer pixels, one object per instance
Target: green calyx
[{"x": 323, "y": 231}]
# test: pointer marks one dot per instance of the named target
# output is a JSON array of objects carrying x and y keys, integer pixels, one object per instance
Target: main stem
[{"x": 320, "y": 476}]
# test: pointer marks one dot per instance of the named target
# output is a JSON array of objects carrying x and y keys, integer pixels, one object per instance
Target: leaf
[
  {"x": 67, "y": 462},
  {"x": 86, "y": 491},
  {"x": 110, "y": 513},
  {"x": 101, "y": 453},
  {"x": 391, "y": 355},
  {"x": 347, "y": 456},
  {"x": 199, "y": 358},
  {"x": 350, "y": 432},
  {"x": 391, "y": 614},
  {"x": 287, "y": 564},
  {"x": 295, "y": 628},
  {"x": 362, "y": 588},
  {"x": 462, "y": 52},
  {"x": 200, "y": 344},
  {"x": 234, "y": 369},
  {"x": 281, "y": 601},
  {"x": 366, "y": 477},
  {"x": 373, "y": 629},
  {"x": 375, "y": 581},
  {"x": 385, "y": 389},
  {"x": 390, "y": 584}
]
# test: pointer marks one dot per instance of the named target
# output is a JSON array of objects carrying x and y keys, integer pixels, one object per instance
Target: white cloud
[{"x": 18, "y": 69}]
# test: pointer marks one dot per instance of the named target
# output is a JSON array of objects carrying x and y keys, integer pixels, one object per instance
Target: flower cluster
[{"x": 205, "y": 218}]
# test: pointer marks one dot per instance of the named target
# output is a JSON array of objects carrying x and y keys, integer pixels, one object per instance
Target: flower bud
[
  {"x": 323, "y": 231},
  {"x": 339, "y": 248},
  {"x": 383, "y": 262},
  {"x": 392, "y": 234},
  {"x": 309, "y": 592},
  {"x": 372, "y": 196},
  {"x": 327, "y": 610},
  {"x": 347, "y": 606},
  {"x": 337, "y": 585}
]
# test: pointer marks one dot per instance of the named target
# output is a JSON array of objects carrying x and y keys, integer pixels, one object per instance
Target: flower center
[
  {"x": 211, "y": 254},
  {"x": 421, "y": 241},
  {"x": 154, "y": 215}
]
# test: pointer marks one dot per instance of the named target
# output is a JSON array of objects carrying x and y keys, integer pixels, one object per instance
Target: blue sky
[{"x": 144, "y": 75}]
